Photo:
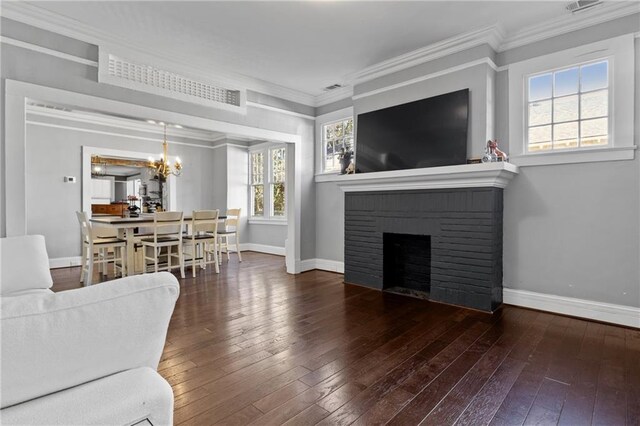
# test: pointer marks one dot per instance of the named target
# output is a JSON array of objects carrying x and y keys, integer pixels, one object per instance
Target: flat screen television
[{"x": 426, "y": 133}]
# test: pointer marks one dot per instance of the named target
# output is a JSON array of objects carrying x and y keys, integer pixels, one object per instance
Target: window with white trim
[
  {"x": 568, "y": 108},
  {"x": 335, "y": 136},
  {"x": 573, "y": 106},
  {"x": 267, "y": 178}
]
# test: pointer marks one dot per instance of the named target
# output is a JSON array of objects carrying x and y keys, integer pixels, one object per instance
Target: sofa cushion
[
  {"x": 56, "y": 341},
  {"x": 24, "y": 264}
]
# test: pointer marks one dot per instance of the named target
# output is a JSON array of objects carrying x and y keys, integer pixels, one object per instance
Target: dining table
[{"x": 126, "y": 227}]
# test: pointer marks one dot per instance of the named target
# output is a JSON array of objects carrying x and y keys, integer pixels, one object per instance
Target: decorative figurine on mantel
[
  {"x": 346, "y": 165},
  {"x": 492, "y": 153}
]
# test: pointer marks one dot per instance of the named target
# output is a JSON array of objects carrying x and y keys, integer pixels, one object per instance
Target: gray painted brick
[{"x": 466, "y": 236}]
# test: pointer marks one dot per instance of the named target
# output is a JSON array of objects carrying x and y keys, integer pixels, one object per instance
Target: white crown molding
[
  {"x": 568, "y": 23},
  {"x": 485, "y": 61},
  {"x": 334, "y": 95},
  {"x": 122, "y": 123},
  {"x": 122, "y": 135},
  {"x": 617, "y": 314},
  {"x": 492, "y": 36},
  {"x": 280, "y": 110},
  {"x": 42, "y": 18},
  {"x": 226, "y": 144},
  {"x": 47, "y": 51}
]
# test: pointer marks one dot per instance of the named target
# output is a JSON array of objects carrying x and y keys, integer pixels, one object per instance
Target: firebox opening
[{"x": 407, "y": 264}]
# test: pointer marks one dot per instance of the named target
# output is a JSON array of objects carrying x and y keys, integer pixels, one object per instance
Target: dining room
[{"x": 108, "y": 166}]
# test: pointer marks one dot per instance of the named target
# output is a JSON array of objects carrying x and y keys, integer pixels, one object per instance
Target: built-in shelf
[{"x": 462, "y": 176}]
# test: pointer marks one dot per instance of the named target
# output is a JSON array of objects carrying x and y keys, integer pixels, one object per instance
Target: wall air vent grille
[
  {"x": 154, "y": 80},
  {"x": 579, "y": 5},
  {"x": 333, "y": 87}
]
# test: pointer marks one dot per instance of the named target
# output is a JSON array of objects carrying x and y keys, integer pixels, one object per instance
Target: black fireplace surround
[{"x": 464, "y": 229}]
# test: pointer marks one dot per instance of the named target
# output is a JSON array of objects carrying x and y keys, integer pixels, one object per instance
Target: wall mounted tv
[{"x": 426, "y": 133}]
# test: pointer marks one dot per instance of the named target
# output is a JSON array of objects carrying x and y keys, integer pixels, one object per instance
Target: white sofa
[{"x": 80, "y": 357}]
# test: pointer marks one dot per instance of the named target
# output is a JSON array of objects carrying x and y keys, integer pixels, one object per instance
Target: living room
[{"x": 289, "y": 322}]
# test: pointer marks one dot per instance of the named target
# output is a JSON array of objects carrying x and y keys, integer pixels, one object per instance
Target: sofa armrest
[{"x": 56, "y": 341}]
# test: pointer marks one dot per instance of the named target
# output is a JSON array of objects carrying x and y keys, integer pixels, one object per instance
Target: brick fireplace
[{"x": 458, "y": 210}]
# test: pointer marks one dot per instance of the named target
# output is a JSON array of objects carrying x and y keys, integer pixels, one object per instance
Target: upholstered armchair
[{"x": 84, "y": 356}]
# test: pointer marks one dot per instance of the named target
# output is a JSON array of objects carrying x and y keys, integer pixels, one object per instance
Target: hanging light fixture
[
  {"x": 98, "y": 166},
  {"x": 161, "y": 167}
]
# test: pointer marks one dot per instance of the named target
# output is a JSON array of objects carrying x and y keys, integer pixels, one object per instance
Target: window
[
  {"x": 257, "y": 184},
  {"x": 335, "y": 136},
  {"x": 568, "y": 108},
  {"x": 277, "y": 158},
  {"x": 268, "y": 182},
  {"x": 574, "y": 105}
]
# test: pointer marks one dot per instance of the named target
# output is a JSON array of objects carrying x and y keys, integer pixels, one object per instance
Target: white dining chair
[
  {"x": 167, "y": 234},
  {"x": 201, "y": 243},
  {"x": 230, "y": 231},
  {"x": 97, "y": 250}
]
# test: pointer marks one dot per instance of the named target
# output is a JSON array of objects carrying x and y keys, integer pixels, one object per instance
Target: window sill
[
  {"x": 575, "y": 156},
  {"x": 281, "y": 222}
]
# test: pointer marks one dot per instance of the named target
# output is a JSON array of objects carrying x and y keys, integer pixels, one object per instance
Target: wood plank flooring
[{"x": 254, "y": 345}]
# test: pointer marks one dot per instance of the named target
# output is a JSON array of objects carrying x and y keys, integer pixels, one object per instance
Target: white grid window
[
  {"x": 568, "y": 108},
  {"x": 268, "y": 180},
  {"x": 335, "y": 136},
  {"x": 257, "y": 184},
  {"x": 277, "y": 182}
]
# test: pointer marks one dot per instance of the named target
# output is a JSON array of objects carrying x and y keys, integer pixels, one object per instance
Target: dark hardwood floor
[{"x": 255, "y": 345}]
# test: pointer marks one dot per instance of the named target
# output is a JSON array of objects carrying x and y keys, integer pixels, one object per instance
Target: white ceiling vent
[
  {"x": 579, "y": 5},
  {"x": 333, "y": 87},
  {"x": 120, "y": 72}
]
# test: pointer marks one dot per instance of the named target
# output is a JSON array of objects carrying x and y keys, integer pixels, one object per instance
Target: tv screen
[{"x": 426, "y": 133}]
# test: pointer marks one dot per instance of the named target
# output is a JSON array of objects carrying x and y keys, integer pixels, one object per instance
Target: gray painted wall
[
  {"x": 329, "y": 222},
  {"x": 569, "y": 230},
  {"x": 478, "y": 79},
  {"x": 268, "y": 235},
  {"x": 38, "y": 68},
  {"x": 232, "y": 191}
]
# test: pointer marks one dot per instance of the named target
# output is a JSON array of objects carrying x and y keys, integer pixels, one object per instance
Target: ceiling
[{"x": 304, "y": 45}]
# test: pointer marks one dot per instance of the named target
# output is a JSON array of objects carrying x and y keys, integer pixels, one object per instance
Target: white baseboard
[
  {"x": 322, "y": 264},
  {"x": 262, "y": 248},
  {"x": 64, "y": 262},
  {"x": 606, "y": 312}
]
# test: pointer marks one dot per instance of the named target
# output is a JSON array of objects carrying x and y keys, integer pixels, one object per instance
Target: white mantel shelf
[{"x": 461, "y": 176}]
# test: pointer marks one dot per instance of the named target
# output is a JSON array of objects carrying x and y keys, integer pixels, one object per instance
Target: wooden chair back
[
  {"x": 205, "y": 222},
  {"x": 85, "y": 227},
  {"x": 168, "y": 224},
  {"x": 232, "y": 220}
]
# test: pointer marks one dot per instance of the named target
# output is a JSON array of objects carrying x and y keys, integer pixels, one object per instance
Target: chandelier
[
  {"x": 98, "y": 166},
  {"x": 162, "y": 167}
]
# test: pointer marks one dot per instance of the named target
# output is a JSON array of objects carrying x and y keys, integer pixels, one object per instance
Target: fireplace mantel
[{"x": 462, "y": 176}]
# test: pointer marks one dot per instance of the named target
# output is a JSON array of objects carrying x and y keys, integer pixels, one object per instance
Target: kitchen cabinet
[{"x": 113, "y": 209}]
